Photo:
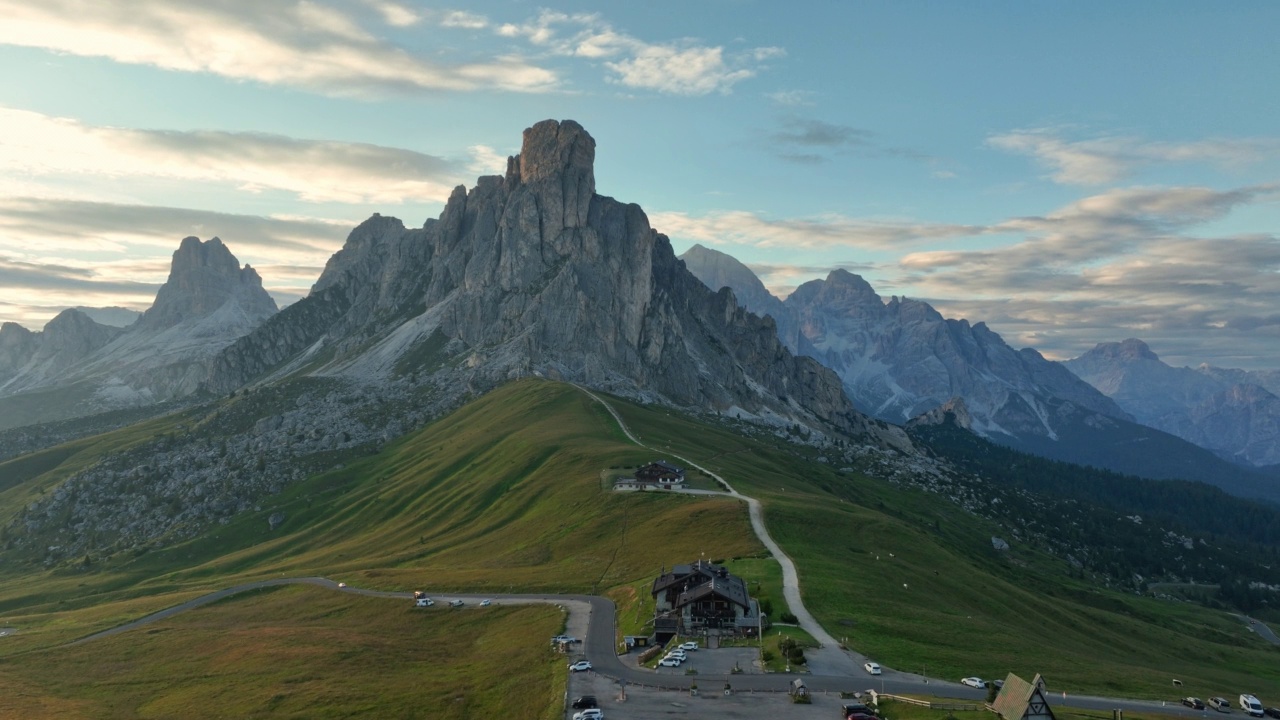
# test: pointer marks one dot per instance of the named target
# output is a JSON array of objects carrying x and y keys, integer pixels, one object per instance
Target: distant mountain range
[
  {"x": 901, "y": 359},
  {"x": 1234, "y": 413}
]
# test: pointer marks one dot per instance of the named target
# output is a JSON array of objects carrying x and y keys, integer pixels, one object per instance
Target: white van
[{"x": 1250, "y": 704}]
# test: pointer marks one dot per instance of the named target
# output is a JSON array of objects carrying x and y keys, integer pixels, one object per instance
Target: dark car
[
  {"x": 585, "y": 702},
  {"x": 1193, "y": 703},
  {"x": 857, "y": 711},
  {"x": 1272, "y": 712}
]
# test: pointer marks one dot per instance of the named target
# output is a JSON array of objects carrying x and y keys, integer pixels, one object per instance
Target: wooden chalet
[
  {"x": 1022, "y": 700},
  {"x": 703, "y": 596},
  {"x": 660, "y": 473}
]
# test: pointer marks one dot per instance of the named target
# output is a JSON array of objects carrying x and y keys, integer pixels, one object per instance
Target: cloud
[
  {"x": 791, "y": 98},
  {"x": 684, "y": 67},
  {"x": 739, "y": 227},
  {"x": 1110, "y": 159},
  {"x": 463, "y": 19},
  {"x": 305, "y": 45},
  {"x": 395, "y": 14},
  {"x": 313, "y": 170},
  {"x": 807, "y": 132},
  {"x": 123, "y": 252}
]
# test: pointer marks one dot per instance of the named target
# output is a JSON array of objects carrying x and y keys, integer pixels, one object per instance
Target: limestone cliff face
[
  {"x": 206, "y": 279},
  {"x": 535, "y": 273}
]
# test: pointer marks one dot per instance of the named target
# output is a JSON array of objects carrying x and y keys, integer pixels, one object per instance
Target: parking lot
[{"x": 642, "y": 703}]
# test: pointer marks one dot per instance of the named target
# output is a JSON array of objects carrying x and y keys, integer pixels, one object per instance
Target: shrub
[
  {"x": 766, "y": 655},
  {"x": 788, "y": 618}
]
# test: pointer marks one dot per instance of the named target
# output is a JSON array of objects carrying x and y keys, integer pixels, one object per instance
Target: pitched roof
[
  {"x": 730, "y": 588},
  {"x": 1017, "y": 695}
]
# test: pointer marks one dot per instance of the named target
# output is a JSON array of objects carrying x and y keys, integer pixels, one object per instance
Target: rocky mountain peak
[
  {"x": 1125, "y": 351},
  {"x": 203, "y": 278},
  {"x": 557, "y": 160}
]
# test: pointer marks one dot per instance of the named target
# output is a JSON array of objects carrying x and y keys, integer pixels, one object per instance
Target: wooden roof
[{"x": 1019, "y": 699}]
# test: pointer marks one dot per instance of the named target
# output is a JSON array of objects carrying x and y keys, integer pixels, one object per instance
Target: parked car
[
  {"x": 1193, "y": 703},
  {"x": 580, "y": 666},
  {"x": 857, "y": 711},
  {"x": 486, "y": 603},
  {"x": 997, "y": 684},
  {"x": 973, "y": 682},
  {"x": 589, "y": 714},
  {"x": 873, "y": 668},
  {"x": 418, "y": 594},
  {"x": 584, "y": 702},
  {"x": 1220, "y": 704},
  {"x": 424, "y": 602},
  {"x": 670, "y": 661},
  {"x": 1272, "y": 712},
  {"x": 678, "y": 653},
  {"x": 456, "y": 603},
  {"x": 1250, "y": 704},
  {"x": 564, "y": 639},
  {"x": 690, "y": 645},
  {"x": 341, "y": 585}
]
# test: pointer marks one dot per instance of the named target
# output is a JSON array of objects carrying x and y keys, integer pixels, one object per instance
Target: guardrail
[{"x": 926, "y": 703}]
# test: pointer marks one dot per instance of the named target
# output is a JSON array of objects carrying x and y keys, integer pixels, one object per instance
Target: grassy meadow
[
  {"x": 302, "y": 652},
  {"x": 912, "y": 581}
]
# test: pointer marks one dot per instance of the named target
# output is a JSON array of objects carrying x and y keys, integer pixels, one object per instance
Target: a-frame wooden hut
[{"x": 1022, "y": 700}]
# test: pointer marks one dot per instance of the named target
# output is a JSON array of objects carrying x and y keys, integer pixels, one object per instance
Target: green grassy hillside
[
  {"x": 505, "y": 494},
  {"x": 912, "y": 580}
]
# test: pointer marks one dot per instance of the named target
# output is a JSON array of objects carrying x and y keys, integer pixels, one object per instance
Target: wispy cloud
[
  {"x": 738, "y": 227},
  {"x": 1109, "y": 159},
  {"x": 684, "y": 67},
  {"x": 463, "y": 19},
  {"x": 306, "y": 44},
  {"x": 313, "y": 170}
]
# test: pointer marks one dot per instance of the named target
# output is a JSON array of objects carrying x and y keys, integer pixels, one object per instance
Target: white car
[
  {"x": 341, "y": 585},
  {"x": 424, "y": 602},
  {"x": 973, "y": 682},
  {"x": 564, "y": 639},
  {"x": 872, "y": 668},
  {"x": 678, "y": 654},
  {"x": 456, "y": 603},
  {"x": 580, "y": 666},
  {"x": 691, "y": 645},
  {"x": 486, "y": 603},
  {"x": 670, "y": 661},
  {"x": 589, "y": 714}
]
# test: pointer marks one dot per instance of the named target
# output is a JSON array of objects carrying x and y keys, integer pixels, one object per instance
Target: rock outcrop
[
  {"x": 1227, "y": 411},
  {"x": 533, "y": 273},
  {"x": 77, "y": 366}
]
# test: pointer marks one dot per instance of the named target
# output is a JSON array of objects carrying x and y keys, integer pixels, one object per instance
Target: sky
[{"x": 1068, "y": 173}]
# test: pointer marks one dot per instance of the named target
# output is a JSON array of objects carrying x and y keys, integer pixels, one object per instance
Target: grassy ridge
[
  {"x": 302, "y": 652},
  {"x": 502, "y": 495},
  {"x": 912, "y": 580}
]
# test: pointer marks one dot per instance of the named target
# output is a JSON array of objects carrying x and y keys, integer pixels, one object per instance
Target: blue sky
[{"x": 1070, "y": 173}]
